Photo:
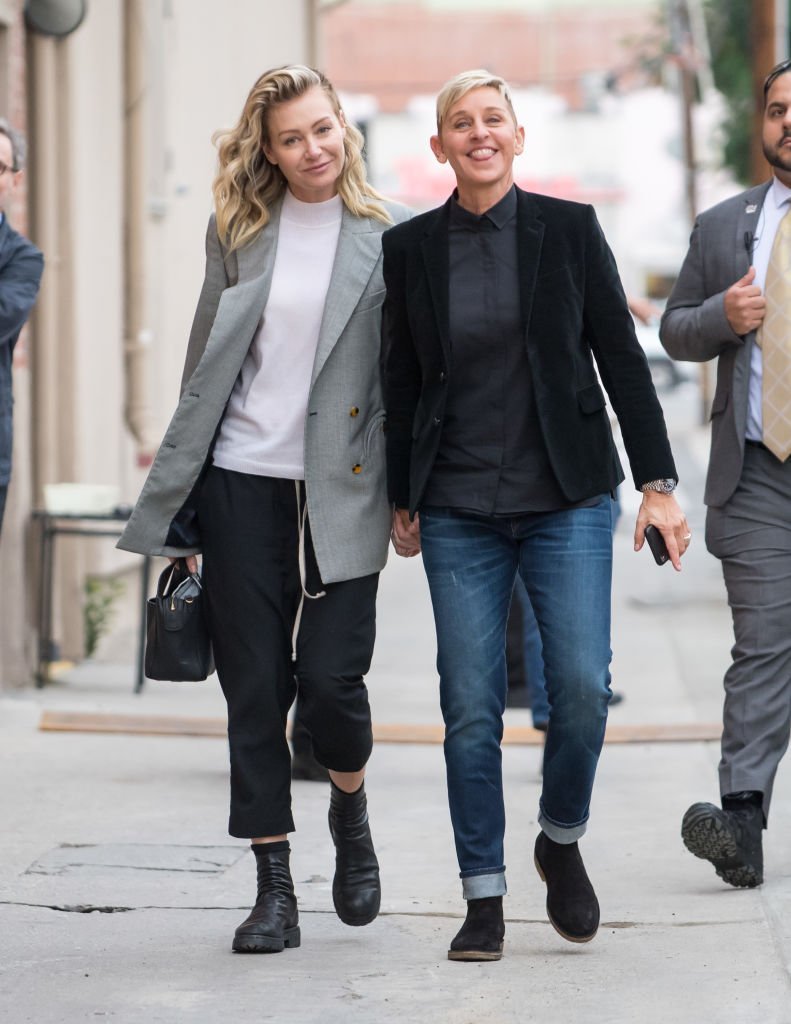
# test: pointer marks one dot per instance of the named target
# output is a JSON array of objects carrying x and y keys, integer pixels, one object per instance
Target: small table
[{"x": 77, "y": 524}]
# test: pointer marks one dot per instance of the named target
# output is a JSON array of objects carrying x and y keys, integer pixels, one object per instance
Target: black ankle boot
[
  {"x": 355, "y": 889},
  {"x": 729, "y": 838},
  {"x": 272, "y": 923},
  {"x": 572, "y": 907},
  {"x": 481, "y": 935}
]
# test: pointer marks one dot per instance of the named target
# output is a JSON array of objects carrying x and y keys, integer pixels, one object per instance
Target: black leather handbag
[{"x": 177, "y": 635}]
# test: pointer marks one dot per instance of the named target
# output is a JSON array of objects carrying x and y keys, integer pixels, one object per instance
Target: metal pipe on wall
[
  {"x": 54, "y": 348},
  {"x": 53, "y": 355},
  {"x": 137, "y": 331},
  {"x": 44, "y": 190}
]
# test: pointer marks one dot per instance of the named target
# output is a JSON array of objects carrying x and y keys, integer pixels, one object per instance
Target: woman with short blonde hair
[{"x": 500, "y": 306}]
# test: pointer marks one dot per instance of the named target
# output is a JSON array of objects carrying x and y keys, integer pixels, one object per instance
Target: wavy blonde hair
[{"x": 247, "y": 185}]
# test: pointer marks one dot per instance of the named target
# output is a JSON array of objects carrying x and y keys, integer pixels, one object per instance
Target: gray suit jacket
[
  {"x": 344, "y": 430},
  {"x": 694, "y": 327}
]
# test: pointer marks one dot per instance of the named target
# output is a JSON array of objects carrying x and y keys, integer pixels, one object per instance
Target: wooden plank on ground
[
  {"x": 182, "y": 725},
  {"x": 133, "y": 724}
]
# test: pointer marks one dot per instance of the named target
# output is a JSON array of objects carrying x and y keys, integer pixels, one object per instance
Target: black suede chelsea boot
[
  {"x": 481, "y": 936},
  {"x": 572, "y": 907}
]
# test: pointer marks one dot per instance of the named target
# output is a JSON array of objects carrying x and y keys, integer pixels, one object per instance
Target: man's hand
[
  {"x": 665, "y": 513},
  {"x": 745, "y": 306},
  {"x": 405, "y": 534}
]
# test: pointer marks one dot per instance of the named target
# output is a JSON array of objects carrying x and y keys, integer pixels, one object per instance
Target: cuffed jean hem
[
  {"x": 479, "y": 887},
  {"x": 560, "y": 833}
]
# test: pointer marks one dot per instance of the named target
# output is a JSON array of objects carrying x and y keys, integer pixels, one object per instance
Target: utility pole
[
  {"x": 685, "y": 56},
  {"x": 767, "y": 49},
  {"x": 683, "y": 50}
]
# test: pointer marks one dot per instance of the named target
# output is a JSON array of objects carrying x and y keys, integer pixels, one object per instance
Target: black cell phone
[{"x": 656, "y": 542}]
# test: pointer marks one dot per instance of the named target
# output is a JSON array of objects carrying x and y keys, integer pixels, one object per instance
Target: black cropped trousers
[{"x": 250, "y": 537}]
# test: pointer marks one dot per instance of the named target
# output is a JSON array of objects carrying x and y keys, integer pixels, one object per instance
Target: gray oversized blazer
[
  {"x": 344, "y": 430},
  {"x": 695, "y": 328}
]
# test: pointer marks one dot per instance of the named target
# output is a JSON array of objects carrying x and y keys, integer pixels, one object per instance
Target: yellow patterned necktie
[{"x": 774, "y": 338}]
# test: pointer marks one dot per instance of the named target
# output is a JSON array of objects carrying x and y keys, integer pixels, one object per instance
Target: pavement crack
[
  {"x": 92, "y": 908},
  {"x": 90, "y": 865},
  {"x": 83, "y": 908},
  {"x": 69, "y": 908}
]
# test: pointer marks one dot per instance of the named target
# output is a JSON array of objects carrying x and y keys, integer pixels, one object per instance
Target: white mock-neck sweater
[{"x": 264, "y": 425}]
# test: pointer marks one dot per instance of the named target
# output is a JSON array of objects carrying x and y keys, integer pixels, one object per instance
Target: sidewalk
[{"x": 132, "y": 829}]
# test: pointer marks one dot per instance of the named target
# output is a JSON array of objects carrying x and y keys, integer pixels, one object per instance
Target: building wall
[
  {"x": 95, "y": 197},
  {"x": 16, "y": 641},
  {"x": 200, "y": 59},
  {"x": 396, "y": 50},
  {"x": 211, "y": 62},
  {"x": 599, "y": 128},
  {"x": 192, "y": 88}
]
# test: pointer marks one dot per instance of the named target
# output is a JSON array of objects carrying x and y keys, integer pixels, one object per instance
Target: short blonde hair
[{"x": 458, "y": 86}]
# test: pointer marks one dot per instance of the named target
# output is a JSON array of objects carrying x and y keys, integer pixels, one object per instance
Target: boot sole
[
  {"x": 706, "y": 837},
  {"x": 357, "y": 922},
  {"x": 473, "y": 955},
  {"x": 290, "y": 939},
  {"x": 564, "y": 935}
]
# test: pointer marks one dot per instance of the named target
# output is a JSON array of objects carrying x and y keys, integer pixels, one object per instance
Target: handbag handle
[{"x": 172, "y": 576}]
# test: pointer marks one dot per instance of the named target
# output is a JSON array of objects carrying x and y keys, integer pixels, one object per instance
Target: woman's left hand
[
  {"x": 405, "y": 534},
  {"x": 664, "y": 512}
]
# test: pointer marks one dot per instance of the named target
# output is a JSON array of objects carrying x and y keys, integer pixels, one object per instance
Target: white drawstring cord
[{"x": 302, "y": 514}]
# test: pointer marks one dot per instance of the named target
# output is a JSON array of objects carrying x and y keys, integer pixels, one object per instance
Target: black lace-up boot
[
  {"x": 356, "y": 892},
  {"x": 272, "y": 924},
  {"x": 730, "y": 838}
]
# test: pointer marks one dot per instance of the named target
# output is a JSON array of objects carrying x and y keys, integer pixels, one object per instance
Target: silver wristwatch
[{"x": 665, "y": 486}]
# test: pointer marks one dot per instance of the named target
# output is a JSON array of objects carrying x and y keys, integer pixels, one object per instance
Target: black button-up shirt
[{"x": 492, "y": 458}]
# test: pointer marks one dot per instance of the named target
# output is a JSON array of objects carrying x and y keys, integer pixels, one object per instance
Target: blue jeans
[
  {"x": 531, "y": 643},
  {"x": 533, "y": 657},
  {"x": 565, "y": 561}
]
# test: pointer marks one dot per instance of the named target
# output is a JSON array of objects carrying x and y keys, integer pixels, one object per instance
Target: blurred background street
[
  {"x": 119, "y": 887},
  {"x": 640, "y": 107}
]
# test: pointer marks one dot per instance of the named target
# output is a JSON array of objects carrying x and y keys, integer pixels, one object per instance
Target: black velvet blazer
[{"x": 574, "y": 312}]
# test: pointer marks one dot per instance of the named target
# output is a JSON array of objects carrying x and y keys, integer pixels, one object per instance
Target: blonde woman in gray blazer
[{"x": 273, "y": 468}]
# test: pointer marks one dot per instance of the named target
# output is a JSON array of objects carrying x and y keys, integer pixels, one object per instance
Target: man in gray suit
[
  {"x": 21, "y": 265},
  {"x": 732, "y": 300}
]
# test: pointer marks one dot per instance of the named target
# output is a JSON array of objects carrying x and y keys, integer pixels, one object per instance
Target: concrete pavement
[{"x": 120, "y": 889}]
